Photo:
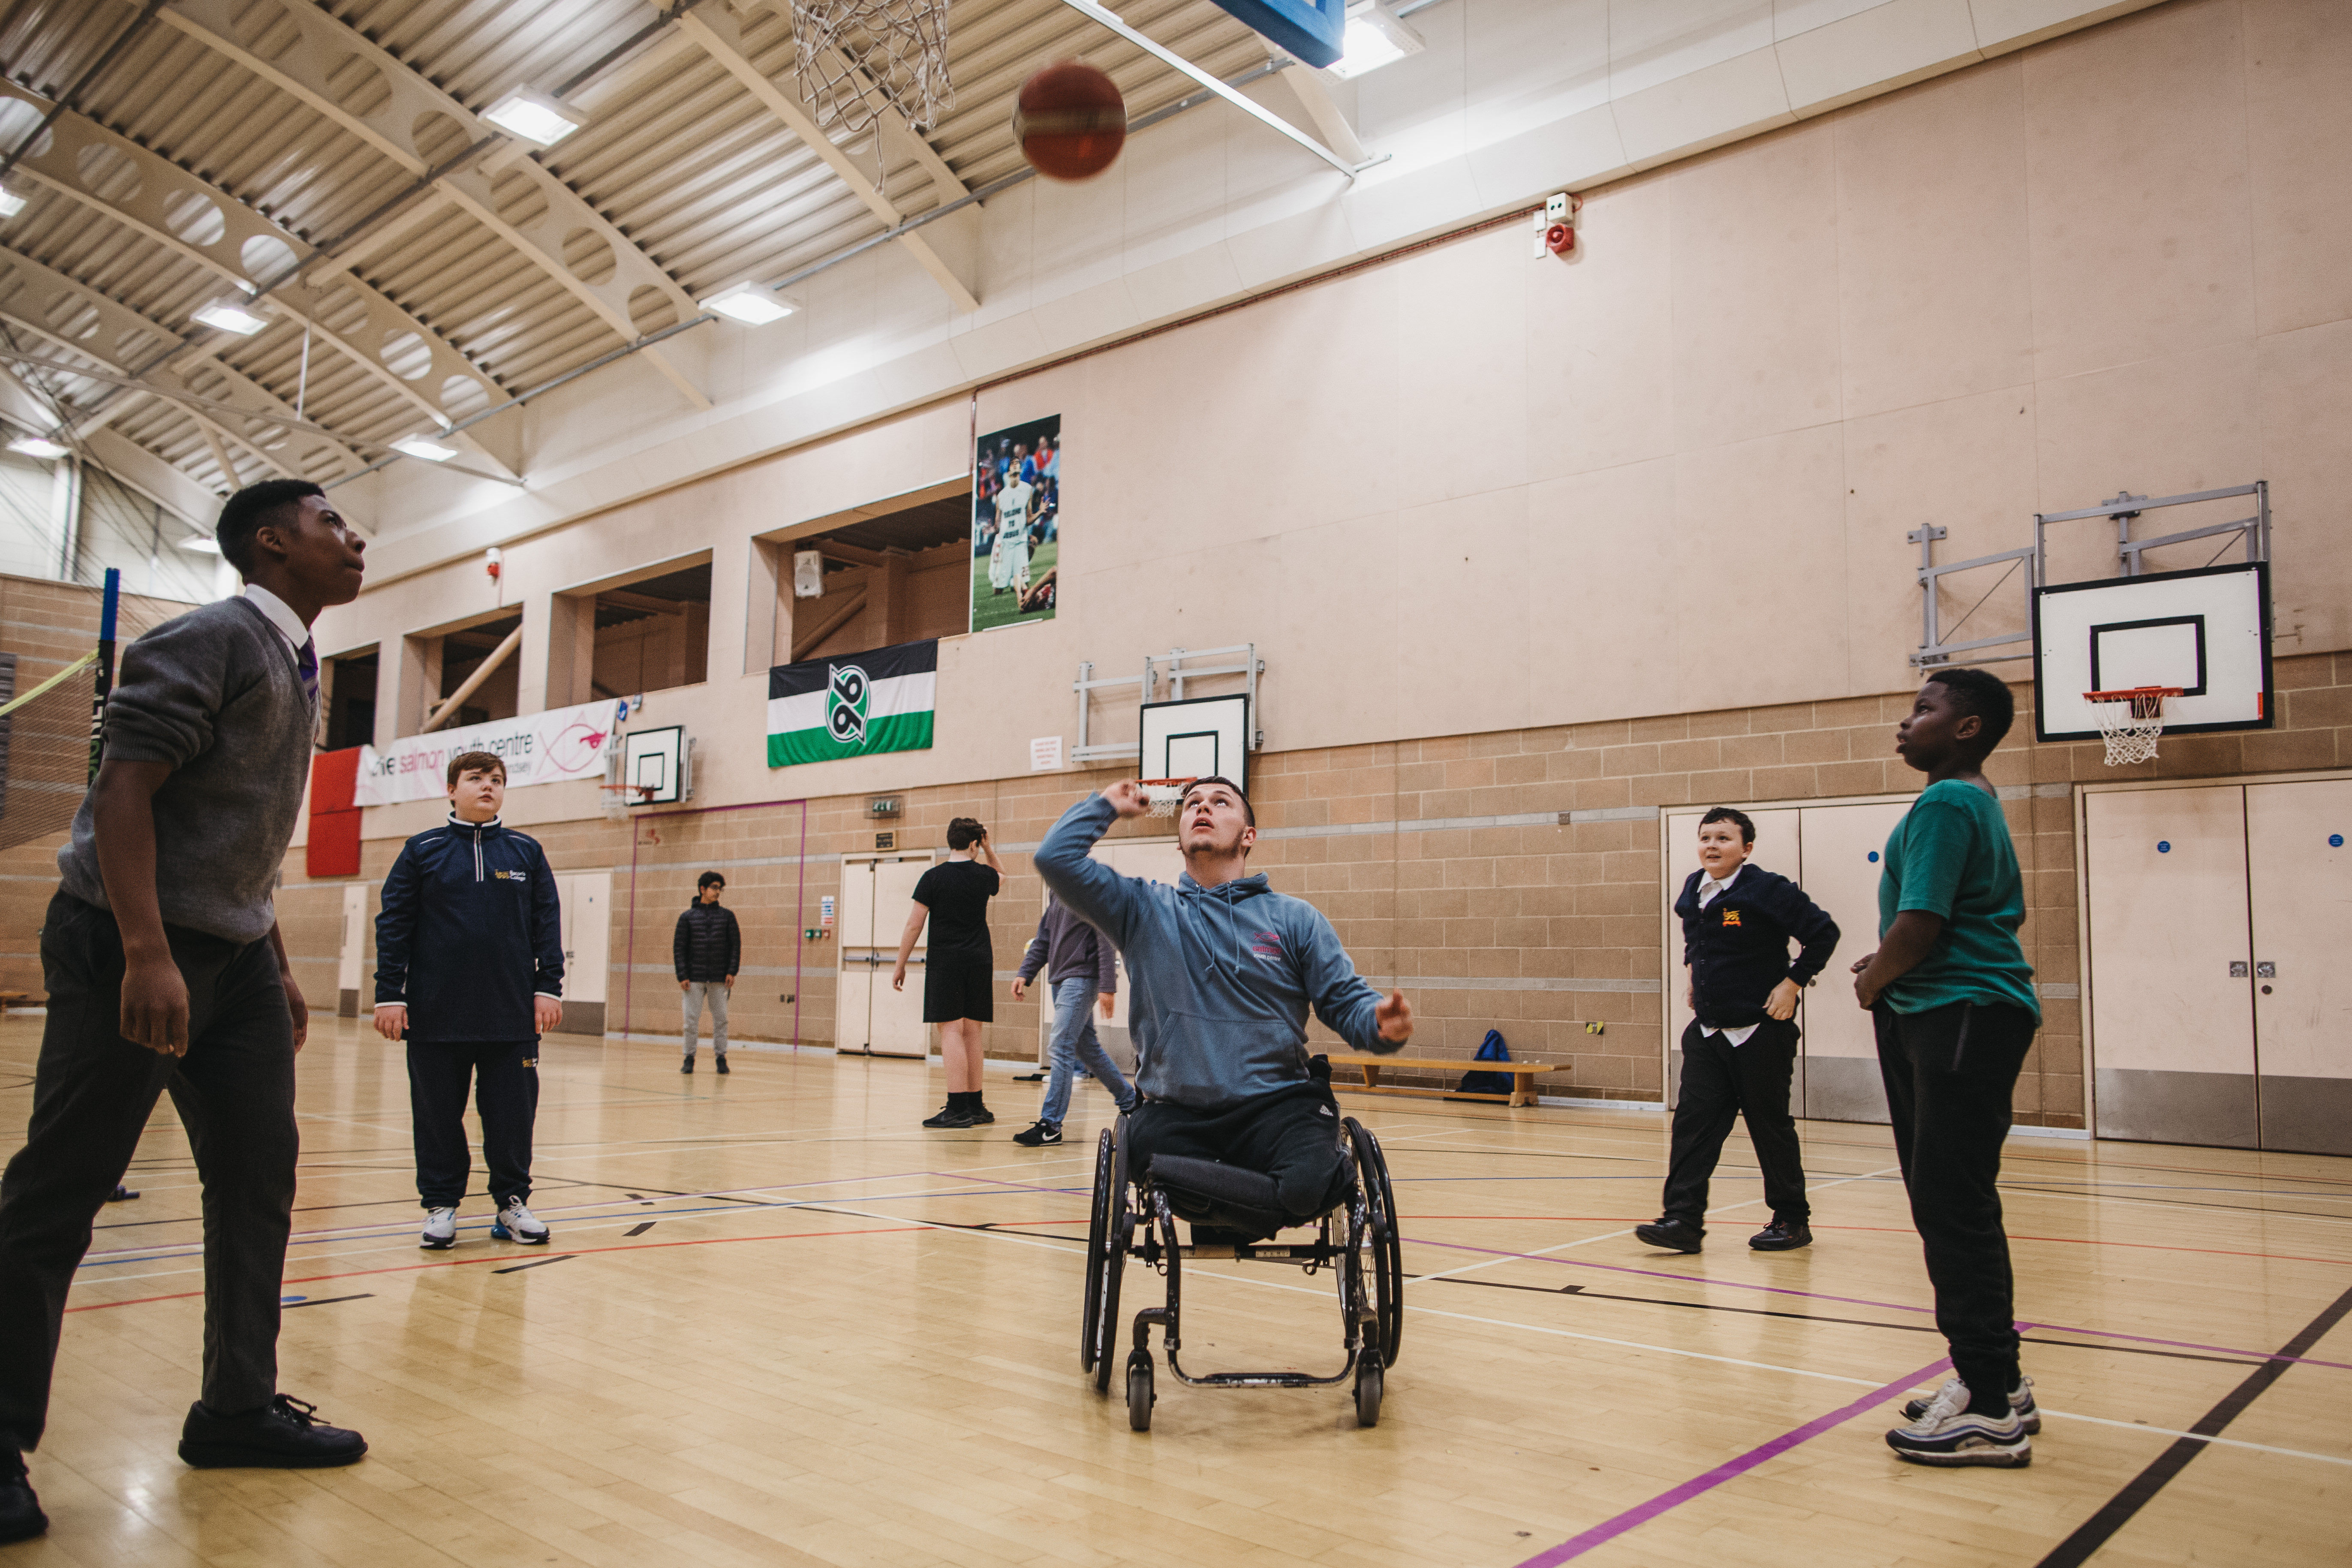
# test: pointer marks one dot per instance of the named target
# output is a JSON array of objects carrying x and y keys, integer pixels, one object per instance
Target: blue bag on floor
[{"x": 1490, "y": 1049}]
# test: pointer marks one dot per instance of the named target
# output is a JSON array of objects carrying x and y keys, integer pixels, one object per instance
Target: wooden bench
[
  {"x": 1523, "y": 1089},
  {"x": 13, "y": 999}
]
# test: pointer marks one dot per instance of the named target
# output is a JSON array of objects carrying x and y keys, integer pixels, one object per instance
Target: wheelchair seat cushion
[{"x": 1230, "y": 1198}]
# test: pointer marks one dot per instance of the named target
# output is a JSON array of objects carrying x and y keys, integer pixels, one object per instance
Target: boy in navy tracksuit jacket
[
  {"x": 469, "y": 967},
  {"x": 1740, "y": 1048}
]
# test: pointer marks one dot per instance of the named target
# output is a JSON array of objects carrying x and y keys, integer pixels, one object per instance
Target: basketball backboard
[
  {"x": 2207, "y": 632},
  {"x": 659, "y": 762},
  {"x": 1313, "y": 30},
  {"x": 1196, "y": 737}
]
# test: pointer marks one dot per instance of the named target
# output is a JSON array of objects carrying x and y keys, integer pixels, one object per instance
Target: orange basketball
[{"x": 1070, "y": 122}]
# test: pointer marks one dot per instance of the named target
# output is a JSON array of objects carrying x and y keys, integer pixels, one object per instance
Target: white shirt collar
[
  {"x": 282, "y": 616},
  {"x": 1708, "y": 887}
]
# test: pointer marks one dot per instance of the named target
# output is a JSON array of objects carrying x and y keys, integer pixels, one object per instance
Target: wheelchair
[{"x": 1355, "y": 1237}]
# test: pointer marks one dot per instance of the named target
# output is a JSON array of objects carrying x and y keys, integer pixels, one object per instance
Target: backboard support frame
[{"x": 1177, "y": 667}]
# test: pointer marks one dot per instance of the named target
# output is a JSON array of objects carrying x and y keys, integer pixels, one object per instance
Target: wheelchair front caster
[
  {"x": 1368, "y": 1392},
  {"x": 1139, "y": 1391}
]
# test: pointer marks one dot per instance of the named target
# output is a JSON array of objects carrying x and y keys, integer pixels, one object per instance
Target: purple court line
[
  {"x": 1862, "y": 1302},
  {"x": 1674, "y": 1497}
]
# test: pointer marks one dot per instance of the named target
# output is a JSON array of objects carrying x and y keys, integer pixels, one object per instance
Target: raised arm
[{"x": 1102, "y": 897}]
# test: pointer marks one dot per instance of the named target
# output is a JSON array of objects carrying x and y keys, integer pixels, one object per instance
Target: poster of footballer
[{"x": 1016, "y": 524}]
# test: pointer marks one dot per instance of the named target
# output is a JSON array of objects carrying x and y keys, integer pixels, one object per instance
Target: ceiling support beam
[
  {"x": 1314, "y": 91},
  {"x": 723, "y": 39}
]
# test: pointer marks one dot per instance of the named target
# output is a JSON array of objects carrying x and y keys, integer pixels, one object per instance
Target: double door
[
  {"x": 870, "y": 1018},
  {"x": 2219, "y": 998},
  {"x": 1833, "y": 852}
]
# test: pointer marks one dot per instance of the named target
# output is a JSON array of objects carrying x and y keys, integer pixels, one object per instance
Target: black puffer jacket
[{"x": 708, "y": 945}]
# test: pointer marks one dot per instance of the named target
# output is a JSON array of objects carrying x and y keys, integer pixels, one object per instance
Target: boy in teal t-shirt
[{"x": 1952, "y": 998}]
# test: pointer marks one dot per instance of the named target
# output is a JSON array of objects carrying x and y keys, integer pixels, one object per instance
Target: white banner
[{"x": 538, "y": 748}]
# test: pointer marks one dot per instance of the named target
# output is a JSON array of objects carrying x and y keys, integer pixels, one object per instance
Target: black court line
[
  {"x": 537, "y": 1263},
  {"x": 1589, "y": 1294},
  {"x": 327, "y": 1300},
  {"x": 2100, "y": 1528},
  {"x": 639, "y": 1230}
]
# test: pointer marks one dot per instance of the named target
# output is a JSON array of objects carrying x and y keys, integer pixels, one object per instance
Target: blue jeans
[{"x": 1075, "y": 1043}]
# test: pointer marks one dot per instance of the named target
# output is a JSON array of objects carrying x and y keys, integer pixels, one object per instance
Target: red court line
[{"x": 509, "y": 1258}]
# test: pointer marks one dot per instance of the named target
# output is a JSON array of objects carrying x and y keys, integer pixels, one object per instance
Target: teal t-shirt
[{"x": 1951, "y": 856}]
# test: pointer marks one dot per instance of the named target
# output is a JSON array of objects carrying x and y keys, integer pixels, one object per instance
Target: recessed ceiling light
[
  {"x": 753, "y": 304},
  {"x": 39, "y": 447},
  {"x": 11, "y": 202},
  {"x": 431, "y": 451},
  {"x": 1375, "y": 37},
  {"x": 202, "y": 544},
  {"x": 230, "y": 316},
  {"x": 534, "y": 117}
]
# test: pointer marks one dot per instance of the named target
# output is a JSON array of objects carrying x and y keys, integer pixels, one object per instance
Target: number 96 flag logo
[{"x": 845, "y": 706}]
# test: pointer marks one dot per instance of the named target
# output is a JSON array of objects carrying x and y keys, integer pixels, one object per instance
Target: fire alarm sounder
[{"x": 1560, "y": 239}]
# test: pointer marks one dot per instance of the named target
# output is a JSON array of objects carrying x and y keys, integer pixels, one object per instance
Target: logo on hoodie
[{"x": 1267, "y": 944}]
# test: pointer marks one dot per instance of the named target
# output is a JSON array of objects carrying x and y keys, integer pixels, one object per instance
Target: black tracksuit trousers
[
  {"x": 1949, "y": 1073},
  {"x": 504, "y": 1076},
  {"x": 93, "y": 1093},
  {"x": 1721, "y": 1081},
  {"x": 1291, "y": 1135}
]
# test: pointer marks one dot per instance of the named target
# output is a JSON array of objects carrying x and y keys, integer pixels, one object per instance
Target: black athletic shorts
[{"x": 958, "y": 986}]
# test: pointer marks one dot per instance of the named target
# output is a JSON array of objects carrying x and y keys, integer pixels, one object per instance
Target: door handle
[{"x": 2266, "y": 971}]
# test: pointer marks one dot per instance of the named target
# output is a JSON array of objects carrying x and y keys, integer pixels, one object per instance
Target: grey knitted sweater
[{"x": 215, "y": 694}]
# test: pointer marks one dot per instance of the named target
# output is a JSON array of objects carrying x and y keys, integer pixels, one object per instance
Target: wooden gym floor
[{"x": 780, "y": 1323}]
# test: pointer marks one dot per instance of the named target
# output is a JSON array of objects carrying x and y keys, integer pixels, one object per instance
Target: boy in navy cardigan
[
  {"x": 469, "y": 967},
  {"x": 1740, "y": 1048}
]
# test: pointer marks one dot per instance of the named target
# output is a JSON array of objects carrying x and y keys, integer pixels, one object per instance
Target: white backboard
[
  {"x": 655, "y": 757},
  {"x": 1197, "y": 737},
  {"x": 2207, "y": 632}
]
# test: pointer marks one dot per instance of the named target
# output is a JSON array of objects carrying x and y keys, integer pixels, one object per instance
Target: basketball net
[
  {"x": 2130, "y": 720},
  {"x": 855, "y": 56},
  {"x": 1165, "y": 795}
]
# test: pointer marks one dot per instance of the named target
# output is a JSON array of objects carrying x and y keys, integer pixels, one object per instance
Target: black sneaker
[
  {"x": 981, "y": 1115},
  {"x": 721, "y": 1065},
  {"x": 1782, "y": 1236},
  {"x": 1037, "y": 1137},
  {"x": 1670, "y": 1235},
  {"x": 688, "y": 1067},
  {"x": 285, "y": 1434},
  {"x": 21, "y": 1518},
  {"x": 949, "y": 1115}
]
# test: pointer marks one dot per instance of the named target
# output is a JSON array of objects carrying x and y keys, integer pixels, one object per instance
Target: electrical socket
[{"x": 1542, "y": 223}]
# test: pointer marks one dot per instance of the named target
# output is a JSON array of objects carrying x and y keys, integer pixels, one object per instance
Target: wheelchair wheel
[
  {"x": 1388, "y": 1247},
  {"x": 1117, "y": 1231},
  {"x": 1097, "y": 1234},
  {"x": 1139, "y": 1391},
  {"x": 1368, "y": 1393}
]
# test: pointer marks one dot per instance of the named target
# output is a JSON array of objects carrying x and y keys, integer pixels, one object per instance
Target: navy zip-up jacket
[
  {"x": 472, "y": 929},
  {"x": 1737, "y": 947}
]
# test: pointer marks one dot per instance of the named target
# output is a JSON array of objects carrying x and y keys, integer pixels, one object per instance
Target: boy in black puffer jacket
[
  {"x": 1740, "y": 1049},
  {"x": 707, "y": 950}
]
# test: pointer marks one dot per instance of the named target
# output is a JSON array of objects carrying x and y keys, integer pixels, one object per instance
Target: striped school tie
[{"x": 306, "y": 664}]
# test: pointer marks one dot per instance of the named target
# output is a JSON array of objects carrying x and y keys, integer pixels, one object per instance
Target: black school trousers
[
  {"x": 1291, "y": 1135},
  {"x": 504, "y": 1078},
  {"x": 93, "y": 1093},
  {"x": 1949, "y": 1073},
  {"x": 1721, "y": 1081}
]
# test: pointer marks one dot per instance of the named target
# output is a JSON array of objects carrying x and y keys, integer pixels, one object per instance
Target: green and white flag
[{"x": 879, "y": 700}]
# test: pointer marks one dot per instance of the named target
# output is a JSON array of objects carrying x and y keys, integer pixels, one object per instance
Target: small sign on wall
[
  {"x": 886, "y": 841},
  {"x": 824, "y": 911},
  {"x": 1044, "y": 753}
]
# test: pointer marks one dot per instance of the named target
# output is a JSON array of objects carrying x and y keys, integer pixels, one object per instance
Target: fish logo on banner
[{"x": 844, "y": 704}]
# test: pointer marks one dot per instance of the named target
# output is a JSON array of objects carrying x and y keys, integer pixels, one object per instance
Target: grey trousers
[{"x": 695, "y": 994}]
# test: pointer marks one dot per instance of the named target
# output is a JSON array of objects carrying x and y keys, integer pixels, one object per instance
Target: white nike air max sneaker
[
  {"x": 2020, "y": 1400},
  {"x": 440, "y": 1229},
  {"x": 1946, "y": 1433},
  {"x": 517, "y": 1222}
]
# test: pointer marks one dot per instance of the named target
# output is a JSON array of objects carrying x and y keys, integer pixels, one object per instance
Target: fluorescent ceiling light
[
  {"x": 203, "y": 544},
  {"x": 753, "y": 304},
  {"x": 39, "y": 447},
  {"x": 1375, "y": 37},
  {"x": 11, "y": 203},
  {"x": 421, "y": 447},
  {"x": 534, "y": 117},
  {"x": 232, "y": 317}
]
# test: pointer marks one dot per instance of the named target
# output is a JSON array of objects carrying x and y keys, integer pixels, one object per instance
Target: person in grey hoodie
[
  {"x": 1081, "y": 974},
  {"x": 1223, "y": 970}
]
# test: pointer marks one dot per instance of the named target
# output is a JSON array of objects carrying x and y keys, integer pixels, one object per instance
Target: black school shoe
[
  {"x": 949, "y": 1115},
  {"x": 1782, "y": 1236},
  {"x": 283, "y": 1434},
  {"x": 688, "y": 1067},
  {"x": 21, "y": 1518},
  {"x": 722, "y": 1061},
  {"x": 1670, "y": 1235}
]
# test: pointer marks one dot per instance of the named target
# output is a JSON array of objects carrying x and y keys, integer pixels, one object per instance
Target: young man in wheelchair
[{"x": 1223, "y": 970}]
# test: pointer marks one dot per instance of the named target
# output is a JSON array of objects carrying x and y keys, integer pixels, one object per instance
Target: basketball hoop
[
  {"x": 614, "y": 799},
  {"x": 1166, "y": 794},
  {"x": 2130, "y": 720},
  {"x": 857, "y": 57}
]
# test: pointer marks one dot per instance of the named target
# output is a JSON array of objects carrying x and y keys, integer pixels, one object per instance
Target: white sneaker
[
  {"x": 517, "y": 1222},
  {"x": 1946, "y": 1434},
  {"x": 440, "y": 1229},
  {"x": 2020, "y": 1400}
]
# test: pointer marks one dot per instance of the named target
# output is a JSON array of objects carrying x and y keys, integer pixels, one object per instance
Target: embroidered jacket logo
[
  {"x": 1731, "y": 917},
  {"x": 508, "y": 875}
]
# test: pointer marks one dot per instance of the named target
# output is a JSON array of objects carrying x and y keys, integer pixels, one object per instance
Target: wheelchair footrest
[
  {"x": 1259, "y": 1252},
  {"x": 1263, "y": 1380}
]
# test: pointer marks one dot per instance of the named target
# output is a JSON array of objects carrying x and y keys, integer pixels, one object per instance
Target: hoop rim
[
  {"x": 2126, "y": 693},
  {"x": 1168, "y": 783},
  {"x": 644, "y": 792}
]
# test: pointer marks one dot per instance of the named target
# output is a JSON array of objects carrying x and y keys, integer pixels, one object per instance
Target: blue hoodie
[{"x": 1222, "y": 976}]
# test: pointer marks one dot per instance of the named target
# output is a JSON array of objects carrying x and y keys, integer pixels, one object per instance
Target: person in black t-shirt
[{"x": 960, "y": 974}]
